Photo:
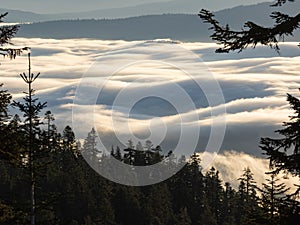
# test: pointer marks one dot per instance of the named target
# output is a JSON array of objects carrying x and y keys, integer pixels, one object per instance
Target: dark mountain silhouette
[
  {"x": 174, "y": 26},
  {"x": 171, "y": 7},
  {"x": 185, "y": 27},
  {"x": 179, "y": 26},
  {"x": 24, "y": 16}
]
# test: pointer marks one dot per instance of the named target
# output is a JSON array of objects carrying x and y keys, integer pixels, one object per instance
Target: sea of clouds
[{"x": 163, "y": 77}]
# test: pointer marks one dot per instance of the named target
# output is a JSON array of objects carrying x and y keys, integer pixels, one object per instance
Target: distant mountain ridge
[
  {"x": 24, "y": 16},
  {"x": 174, "y": 26},
  {"x": 170, "y": 7},
  {"x": 75, "y": 6}
]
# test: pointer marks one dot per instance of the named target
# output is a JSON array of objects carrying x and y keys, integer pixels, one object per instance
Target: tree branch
[{"x": 252, "y": 34}]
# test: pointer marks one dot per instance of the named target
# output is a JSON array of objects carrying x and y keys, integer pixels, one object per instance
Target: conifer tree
[
  {"x": 228, "y": 205},
  {"x": 49, "y": 118},
  {"x": 31, "y": 109},
  {"x": 68, "y": 138},
  {"x": 90, "y": 147},
  {"x": 5, "y": 99},
  {"x": 284, "y": 152},
  {"x": 214, "y": 193},
  {"x": 252, "y": 33},
  {"x": 6, "y": 34},
  {"x": 129, "y": 156},
  {"x": 275, "y": 200},
  {"x": 196, "y": 180},
  {"x": 247, "y": 199},
  {"x": 10, "y": 133},
  {"x": 250, "y": 184},
  {"x": 118, "y": 154}
]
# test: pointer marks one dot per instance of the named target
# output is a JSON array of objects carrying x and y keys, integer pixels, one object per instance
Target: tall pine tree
[{"x": 31, "y": 109}]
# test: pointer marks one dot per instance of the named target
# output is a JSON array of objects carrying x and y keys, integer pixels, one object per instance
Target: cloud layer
[
  {"x": 161, "y": 81},
  {"x": 232, "y": 164}
]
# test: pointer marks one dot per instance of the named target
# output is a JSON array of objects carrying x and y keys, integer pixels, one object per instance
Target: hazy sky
[{"x": 58, "y": 6}]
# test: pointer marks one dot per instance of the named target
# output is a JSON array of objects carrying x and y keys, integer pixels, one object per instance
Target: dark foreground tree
[
  {"x": 31, "y": 109},
  {"x": 276, "y": 203},
  {"x": 5, "y": 99},
  {"x": 252, "y": 34},
  {"x": 284, "y": 152},
  {"x": 6, "y": 34}
]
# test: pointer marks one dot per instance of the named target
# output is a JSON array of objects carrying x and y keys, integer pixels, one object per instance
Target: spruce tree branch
[
  {"x": 7, "y": 32},
  {"x": 281, "y": 2},
  {"x": 252, "y": 34}
]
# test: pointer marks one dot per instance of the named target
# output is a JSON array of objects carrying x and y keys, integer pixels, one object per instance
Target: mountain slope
[
  {"x": 23, "y": 16},
  {"x": 170, "y": 7},
  {"x": 174, "y": 7},
  {"x": 175, "y": 26},
  {"x": 96, "y": 9}
]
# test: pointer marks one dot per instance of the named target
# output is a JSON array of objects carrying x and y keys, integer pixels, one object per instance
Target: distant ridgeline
[
  {"x": 176, "y": 26},
  {"x": 183, "y": 27}
]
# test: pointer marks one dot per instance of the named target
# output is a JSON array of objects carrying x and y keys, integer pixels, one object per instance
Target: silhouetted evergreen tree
[
  {"x": 275, "y": 201},
  {"x": 68, "y": 139},
  {"x": 130, "y": 153},
  {"x": 31, "y": 109},
  {"x": 252, "y": 33},
  {"x": 214, "y": 193},
  {"x": 11, "y": 134},
  {"x": 90, "y": 149},
  {"x": 50, "y": 130},
  {"x": 228, "y": 205},
  {"x": 118, "y": 154},
  {"x": 6, "y": 34},
  {"x": 5, "y": 99},
  {"x": 247, "y": 208},
  {"x": 284, "y": 152}
]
